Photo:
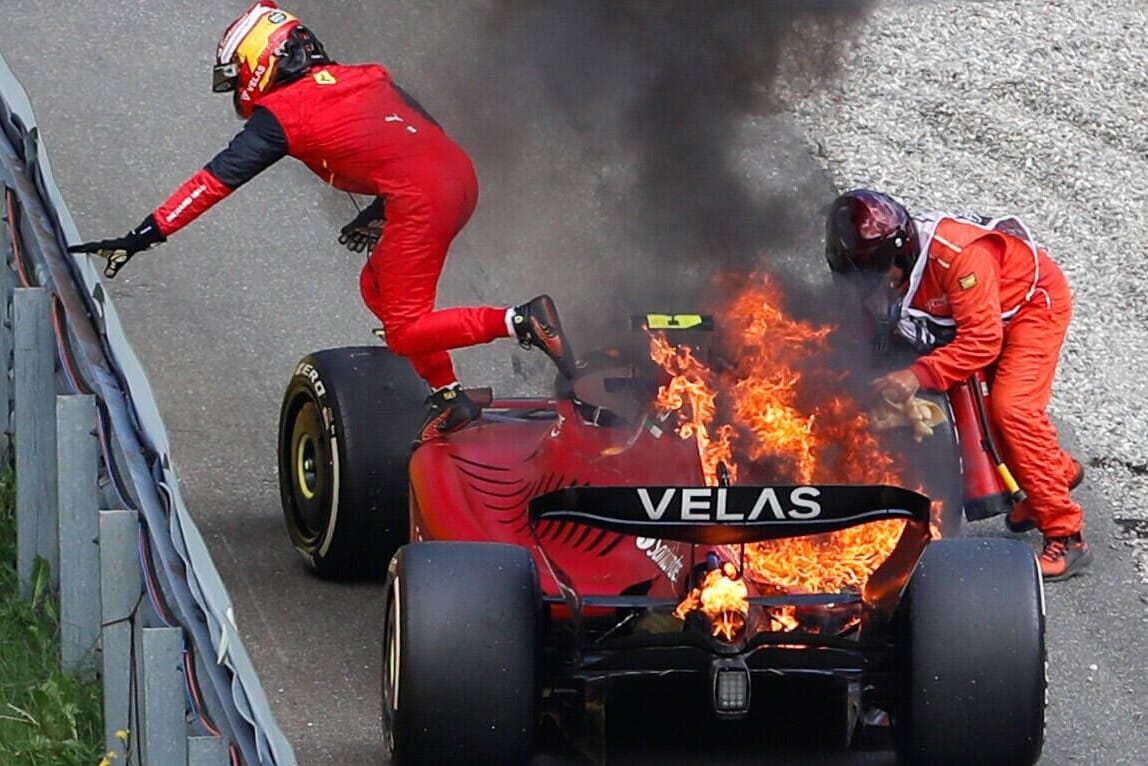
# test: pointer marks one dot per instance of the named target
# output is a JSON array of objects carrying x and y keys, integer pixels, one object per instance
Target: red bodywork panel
[{"x": 475, "y": 484}]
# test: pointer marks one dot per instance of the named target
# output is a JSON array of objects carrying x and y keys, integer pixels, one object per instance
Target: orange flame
[
  {"x": 761, "y": 414},
  {"x": 723, "y": 597},
  {"x": 691, "y": 393}
]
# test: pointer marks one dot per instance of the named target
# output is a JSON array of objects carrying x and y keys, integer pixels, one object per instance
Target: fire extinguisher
[{"x": 989, "y": 486}]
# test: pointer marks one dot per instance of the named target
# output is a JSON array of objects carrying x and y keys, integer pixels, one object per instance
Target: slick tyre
[
  {"x": 460, "y": 655},
  {"x": 345, "y": 429},
  {"x": 972, "y": 650}
]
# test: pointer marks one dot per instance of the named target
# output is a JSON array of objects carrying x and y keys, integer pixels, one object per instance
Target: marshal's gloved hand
[
  {"x": 897, "y": 386},
  {"x": 118, "y": 252},
  {"x": 363, "y": 232},
  {"x": 899, "y": 405},
  {"x": 921, "y": 415}
]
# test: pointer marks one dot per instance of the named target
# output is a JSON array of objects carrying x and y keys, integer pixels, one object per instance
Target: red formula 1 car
[{"x": 562, "y": 547}]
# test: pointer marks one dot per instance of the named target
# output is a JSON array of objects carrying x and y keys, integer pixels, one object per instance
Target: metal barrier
[{"x": 142, "y": 607}]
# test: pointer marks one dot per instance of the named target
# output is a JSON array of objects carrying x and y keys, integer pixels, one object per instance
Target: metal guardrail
[{"x": 142, "y": 606}]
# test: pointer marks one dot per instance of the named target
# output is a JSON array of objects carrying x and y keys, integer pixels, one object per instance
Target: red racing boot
[
  {"x": 448, "y": 409},
  {"x": 536, "y": 325}
]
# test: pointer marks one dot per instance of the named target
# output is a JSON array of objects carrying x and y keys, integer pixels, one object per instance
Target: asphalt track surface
[{"x": 220, "y": 315}]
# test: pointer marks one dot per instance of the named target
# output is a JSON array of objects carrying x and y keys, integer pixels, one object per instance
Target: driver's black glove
[
  {"x": 118, "y": 252},
  {"x": 364, "y": 232}
]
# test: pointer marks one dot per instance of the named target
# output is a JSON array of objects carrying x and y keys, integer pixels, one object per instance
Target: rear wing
[{"x": 729, "y": 515}]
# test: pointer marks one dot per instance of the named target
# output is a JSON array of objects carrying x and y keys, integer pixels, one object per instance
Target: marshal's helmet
[
  {"x": 868, "y": 231},
  {"x": 262, "y": 49}
]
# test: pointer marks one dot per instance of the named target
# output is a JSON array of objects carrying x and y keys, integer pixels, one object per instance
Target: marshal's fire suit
[
  {"x": 361, "y": 133},
  {"x": 985, "y": 297}
]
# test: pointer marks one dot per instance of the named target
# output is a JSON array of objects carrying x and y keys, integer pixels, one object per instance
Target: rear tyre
[
  {"x": 346, "y": 425},
  {"x": 972, "y": 651},
  {"x": 460, "y": 654}
]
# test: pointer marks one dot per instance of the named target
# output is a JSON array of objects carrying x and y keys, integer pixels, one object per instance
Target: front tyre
[
  {"x": 460, "y": 654},
  {"x": 346, "y": 425}
]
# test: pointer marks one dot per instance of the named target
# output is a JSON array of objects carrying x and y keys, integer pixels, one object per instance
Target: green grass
[{"x": 47, "y": 717}]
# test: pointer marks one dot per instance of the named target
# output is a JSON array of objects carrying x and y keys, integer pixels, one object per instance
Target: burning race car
[{"x": 670, "y": 513}]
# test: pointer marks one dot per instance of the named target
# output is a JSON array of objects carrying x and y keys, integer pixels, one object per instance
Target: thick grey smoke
[
  {"x": 628, "y": 150},
  {"x": 663, "y": 87}
]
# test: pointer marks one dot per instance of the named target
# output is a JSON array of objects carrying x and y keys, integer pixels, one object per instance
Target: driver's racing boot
[
  {"x": 448, "y": 409},
  {"x": 536, "y": 325}
]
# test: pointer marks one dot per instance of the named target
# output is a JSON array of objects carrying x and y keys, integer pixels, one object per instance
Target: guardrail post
[
  {"x": 163, "y": 724},
  {"x": 207, "y": 751},
  {"x": 34, "y": 365},
  {"x": 78, "y": 455},
  {"x": 7, "y": 283},
  {"x": 121, "y": 588}
]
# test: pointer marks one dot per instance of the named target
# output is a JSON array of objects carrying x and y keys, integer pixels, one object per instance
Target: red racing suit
[
  {"x": 984, "y": 296},
  {"x": 361, "y": 133}
]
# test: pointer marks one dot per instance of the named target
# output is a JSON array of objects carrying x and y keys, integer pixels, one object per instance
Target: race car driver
[
  {"x": 972, "y": 293},
  {"x": 361, "y": 133}
]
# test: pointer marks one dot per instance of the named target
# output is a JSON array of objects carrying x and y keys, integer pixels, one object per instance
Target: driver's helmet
[
  {"x": 868, "y": 231},
  {"x": 262, "y": 49}
]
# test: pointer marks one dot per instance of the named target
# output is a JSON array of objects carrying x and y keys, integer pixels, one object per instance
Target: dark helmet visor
[
  {"x": 224, "y": 77},
  {"x": 847, "y": 256}
]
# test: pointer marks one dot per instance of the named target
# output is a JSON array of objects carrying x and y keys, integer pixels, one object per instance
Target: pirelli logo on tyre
[{"x": 306, "y": 370}]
